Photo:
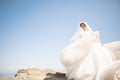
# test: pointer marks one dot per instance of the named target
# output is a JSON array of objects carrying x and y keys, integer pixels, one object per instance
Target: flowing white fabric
[
  {"x": 86, "y": 58},
  {"x": 77, "y": 34}
]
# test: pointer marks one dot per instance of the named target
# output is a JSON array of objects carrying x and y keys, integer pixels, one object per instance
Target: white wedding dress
[{"x": 86, "y": 58}]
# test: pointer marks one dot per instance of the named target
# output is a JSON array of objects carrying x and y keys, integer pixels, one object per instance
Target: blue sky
[{"x": 33, "y": 32}]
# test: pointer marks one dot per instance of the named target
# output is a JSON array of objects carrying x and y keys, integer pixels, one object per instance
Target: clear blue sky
[{"x": 33, "y": 32}]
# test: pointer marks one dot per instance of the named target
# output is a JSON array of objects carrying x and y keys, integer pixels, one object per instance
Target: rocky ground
[{"x": 40, "y": 74}]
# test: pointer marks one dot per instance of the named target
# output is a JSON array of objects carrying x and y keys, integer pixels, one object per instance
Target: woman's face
[{"x": 83, "y": 26}]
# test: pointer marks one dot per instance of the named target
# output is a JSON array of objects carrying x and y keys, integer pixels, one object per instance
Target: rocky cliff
[
  {"x": 43, "y": 74},
  {"x": 38, "y": 74}
]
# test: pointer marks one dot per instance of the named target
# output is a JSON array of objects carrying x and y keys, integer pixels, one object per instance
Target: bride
[{"x": 86, "y": 58}]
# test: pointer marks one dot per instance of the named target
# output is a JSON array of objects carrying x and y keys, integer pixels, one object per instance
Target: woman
[{"x": 86, "y": 58}]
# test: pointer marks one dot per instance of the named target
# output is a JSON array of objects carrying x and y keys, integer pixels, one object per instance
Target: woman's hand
[{"x": 96, "y": 35}]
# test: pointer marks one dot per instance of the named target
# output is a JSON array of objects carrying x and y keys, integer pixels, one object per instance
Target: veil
[{"x": 76, "y": 36}]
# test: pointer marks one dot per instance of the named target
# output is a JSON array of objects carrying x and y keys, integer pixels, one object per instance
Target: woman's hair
[{"x": 82, "y": 25}]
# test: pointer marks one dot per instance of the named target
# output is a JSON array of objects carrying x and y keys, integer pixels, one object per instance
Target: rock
[
  {"x": 42, "y": 74},
  {"x": 118, "y": 74},
  {"x": 38, "y": 74}
]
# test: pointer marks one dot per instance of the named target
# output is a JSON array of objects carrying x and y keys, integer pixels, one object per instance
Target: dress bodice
[{"x": 85, "y": 33}]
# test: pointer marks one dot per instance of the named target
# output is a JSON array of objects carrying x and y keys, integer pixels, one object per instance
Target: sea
[{"x": 7, "y": 75}]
